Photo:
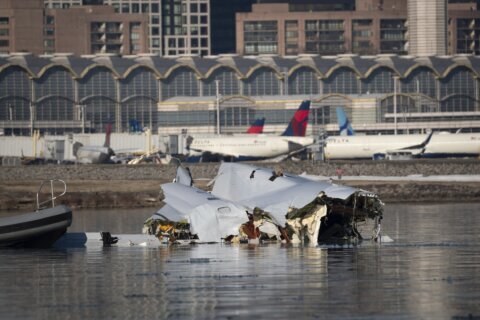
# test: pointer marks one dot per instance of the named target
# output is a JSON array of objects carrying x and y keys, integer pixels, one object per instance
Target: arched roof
[
  {"x": 140, "y": 66},
  {"x": 87, "y": 70},
  {"x": 220, "y": 66},
  {"x": 227, "y": 98},
  {"x": 60, "y": 66},
  {"x": 180, "y": 66},
  {"x": 244, "y": 66}
]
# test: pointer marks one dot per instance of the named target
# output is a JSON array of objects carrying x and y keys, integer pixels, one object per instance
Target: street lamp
[
  {"x": 10, "y": 112},
  {"x": 395, "y": 104},
  {"x": 217, "y": 100}
]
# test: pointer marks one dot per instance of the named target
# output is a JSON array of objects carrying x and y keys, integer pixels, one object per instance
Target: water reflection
[{"x": 430, "y": 271}]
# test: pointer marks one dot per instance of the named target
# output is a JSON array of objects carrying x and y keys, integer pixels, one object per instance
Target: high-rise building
[
  {"x": 26, "y": 26},
  {"x": 152, "y": 8},
  {"x": 427, "y": 27},
  {"x": 21, "y": 26},
  {"x": 175, "y": 26},
  {"x": 100, "y": 28},
  {"x": 222, "y": 23},
  {"x": 62, "y": 4},
  {"x": 463, "y": 27},
  {"x": 375, "y": 27},
  {"x": 329, "y": 27},
  {"x": 186, "y": 27}
]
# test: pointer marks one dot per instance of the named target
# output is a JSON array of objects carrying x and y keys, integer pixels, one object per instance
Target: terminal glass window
[
  {"x": 342, "y": 80},
  {"x": 303, "y": 81},
  {"x": 380, "y": 81},
  {"x": 263, "y": 82},
  {"x": 228, "y": 83}
]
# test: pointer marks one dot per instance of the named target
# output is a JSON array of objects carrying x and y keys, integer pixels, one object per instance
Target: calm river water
[{"x": 432, "y": 270}]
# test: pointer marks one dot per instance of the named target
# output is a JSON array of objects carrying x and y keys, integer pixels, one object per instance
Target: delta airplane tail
[
  {"x": 257, "y": 126},
  {"x": 344, "y": 125},
  {"x": 108, "y": 131},
  {"x": 298, "y": 125}
]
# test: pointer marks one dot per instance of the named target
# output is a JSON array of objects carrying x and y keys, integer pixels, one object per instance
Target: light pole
[
  {"x": 395, "y": 104},
  {"x": 217, "y": 100},
  {"x": 10, "y": 112},
  {"x": 81, "y": 108}
]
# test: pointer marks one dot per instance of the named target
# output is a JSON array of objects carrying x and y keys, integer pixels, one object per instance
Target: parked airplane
[
  {"x": 343, "y": 123},
  {"x": 257, "y": 147},
  {"x": 94, "y": 154},
  {"x": 439, "y": 145}
]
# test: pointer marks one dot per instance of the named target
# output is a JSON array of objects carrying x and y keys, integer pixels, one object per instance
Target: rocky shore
[{"x": 104, "y": 186}]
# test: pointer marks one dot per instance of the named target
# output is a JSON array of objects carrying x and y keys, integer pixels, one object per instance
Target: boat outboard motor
[{"x": 107, "y": 239}]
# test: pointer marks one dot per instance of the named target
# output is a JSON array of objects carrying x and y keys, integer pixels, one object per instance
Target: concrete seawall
[{"x": 124, "y": 185}]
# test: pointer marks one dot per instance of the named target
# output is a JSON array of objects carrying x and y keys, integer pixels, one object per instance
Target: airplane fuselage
[
  {"x": 365, "y": 147},
  {"x": 93, "y": 154},
  {"x": 251, "y": 146}
]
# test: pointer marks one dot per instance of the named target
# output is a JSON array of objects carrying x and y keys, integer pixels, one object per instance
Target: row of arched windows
[
  {"x": 184, "y": 82},
  {"x": 99, "y": 97}
]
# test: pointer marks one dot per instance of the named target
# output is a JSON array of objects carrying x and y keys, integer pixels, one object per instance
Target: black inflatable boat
[
  {"x": 37, "y": 229},
  {"x": 40, "y": 228}
]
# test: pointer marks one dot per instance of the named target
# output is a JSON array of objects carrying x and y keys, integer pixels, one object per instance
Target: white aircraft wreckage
[{"x": 251, "y": 204}]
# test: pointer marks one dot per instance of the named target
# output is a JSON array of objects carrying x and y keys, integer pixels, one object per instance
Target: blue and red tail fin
[
  {"x": 257, "y": 126},
  {"x": 298, "y": 125},
  {"x": 344, "y": 125},
  {"x": 108, "y": 132}
]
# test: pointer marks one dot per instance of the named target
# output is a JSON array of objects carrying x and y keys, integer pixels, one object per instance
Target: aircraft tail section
[
  {"x": 298, "y": 125},
  {"x": 76, "y": 146},
  {"x": 257, "y": 126},
  {"x": 108, "y": 132},
  {"x": 344, "y": 125}
]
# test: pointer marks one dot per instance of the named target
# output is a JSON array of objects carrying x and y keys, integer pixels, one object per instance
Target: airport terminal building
[{"x": 62, "y": 93}]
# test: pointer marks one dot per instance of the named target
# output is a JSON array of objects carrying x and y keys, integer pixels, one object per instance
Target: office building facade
[
  {"x": 29, "y": 27},
  {"x": 427, "y": 27},
  {"x": 100, "y": 28},
  {"x": 175, "y": 26},
  {"x": 372, "y": 27},
  {"x": 21, "y": 26}
]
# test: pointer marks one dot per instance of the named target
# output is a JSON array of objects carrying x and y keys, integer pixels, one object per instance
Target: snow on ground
[{"x": 415, "y": 177}]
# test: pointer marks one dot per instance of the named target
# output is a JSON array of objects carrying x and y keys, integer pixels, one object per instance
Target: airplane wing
[
  {"x": 224, "y": 152},
  {"x": 420, "y": 146},
  {"x": 414, "y": 150}
]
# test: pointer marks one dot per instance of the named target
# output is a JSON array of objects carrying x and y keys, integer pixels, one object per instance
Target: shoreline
[
  {"x": 136, "y": 193},
  {"x": 121, "y": 186}
]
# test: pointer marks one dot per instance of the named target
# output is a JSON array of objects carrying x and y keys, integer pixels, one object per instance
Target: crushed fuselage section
[{"x": 247, "y": 205}]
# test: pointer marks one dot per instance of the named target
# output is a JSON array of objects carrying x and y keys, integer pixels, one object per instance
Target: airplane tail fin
[
  {"x": 344, "y": 125},
  {"x": 76, "y": 146},
  {"x": 108, "y": 131},
  {"x": 257, "y": 126},
  {"x": 298, "y": 125}
]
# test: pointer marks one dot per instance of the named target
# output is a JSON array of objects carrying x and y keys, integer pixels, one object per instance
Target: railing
[{"x": 41, "y": 205}]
